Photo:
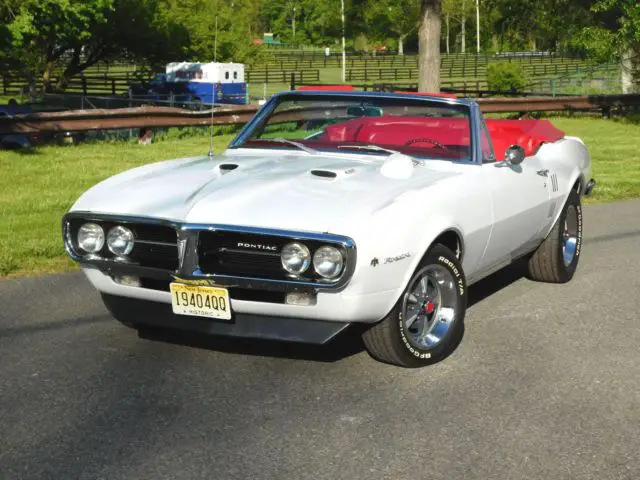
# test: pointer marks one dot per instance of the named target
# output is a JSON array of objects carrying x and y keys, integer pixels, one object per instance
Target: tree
[
  {"x": 47, "y": 29},
  {"x": 615, "y": 32},
  {"x": 429, "y": 46},
  {"x": 73, "y": 35},
  {"x": 458, "y": 11},
  {"x": 399, "y": 17}
]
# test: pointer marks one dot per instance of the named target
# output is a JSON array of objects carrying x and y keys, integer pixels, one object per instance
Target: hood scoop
[
  {"x": 225, "y": 168},
  {"x": 324, "y": 174}
]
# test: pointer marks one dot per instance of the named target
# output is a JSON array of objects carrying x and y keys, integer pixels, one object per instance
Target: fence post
[
  {"x": 84, "y": 85},
  {"x": 113, "y": 86},
  {"x": 293, "y": 80},
  {"x": 4, "y": 83}
]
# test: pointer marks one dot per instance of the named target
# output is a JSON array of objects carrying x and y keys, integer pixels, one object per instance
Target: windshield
[{"x": 375, "y": 125}]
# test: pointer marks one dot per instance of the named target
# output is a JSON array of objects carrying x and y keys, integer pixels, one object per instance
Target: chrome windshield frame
[{"x": 475, "y": 115}]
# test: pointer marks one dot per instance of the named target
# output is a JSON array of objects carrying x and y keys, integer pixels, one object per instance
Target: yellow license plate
[{"x": 212, "y": 302}]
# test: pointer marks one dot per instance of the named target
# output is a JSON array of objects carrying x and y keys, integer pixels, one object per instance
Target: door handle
[{"x": 544, "y": 173}]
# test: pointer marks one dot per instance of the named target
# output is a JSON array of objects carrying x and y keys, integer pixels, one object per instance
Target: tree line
[{"x": 38, "y": 37}]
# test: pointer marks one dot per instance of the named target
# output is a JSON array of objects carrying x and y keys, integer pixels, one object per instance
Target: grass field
[{"x": 36, "y": 189}]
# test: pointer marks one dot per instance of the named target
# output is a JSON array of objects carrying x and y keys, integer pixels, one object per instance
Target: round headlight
[
  {"x": 295, "y": 257},
  {"x": 91, "y": 237},
  {"x": 120, "y": 240},
  {"x": 328, "y": 262}
]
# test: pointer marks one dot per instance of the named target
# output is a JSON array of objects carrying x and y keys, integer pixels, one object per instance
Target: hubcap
[
  {"x": 428, "y": 306},
  {"x": 570, "y": 236}
]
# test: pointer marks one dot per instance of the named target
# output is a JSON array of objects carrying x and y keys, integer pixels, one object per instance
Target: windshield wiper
[
  {"x": 376, "y": 148},
  {"x": 290, "y": 142},
  {"x": 373, "y": 148}
]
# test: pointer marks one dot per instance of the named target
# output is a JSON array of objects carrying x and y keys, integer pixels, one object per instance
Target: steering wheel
[{"x": 420, "y": 140}]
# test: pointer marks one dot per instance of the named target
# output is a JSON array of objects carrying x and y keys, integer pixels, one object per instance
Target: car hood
[{"x": 316, "y": 193}]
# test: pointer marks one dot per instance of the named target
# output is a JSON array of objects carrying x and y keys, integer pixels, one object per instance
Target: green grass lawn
[{"x": 36, "y": 189}]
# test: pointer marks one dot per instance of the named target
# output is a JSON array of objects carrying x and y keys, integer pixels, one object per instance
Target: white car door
[{"x": 520, "y": 198}]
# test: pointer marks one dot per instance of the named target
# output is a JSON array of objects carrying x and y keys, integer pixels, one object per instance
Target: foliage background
[{"x": 40, "y": 36}]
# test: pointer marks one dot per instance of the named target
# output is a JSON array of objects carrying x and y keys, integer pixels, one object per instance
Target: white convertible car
[{"x": 335, "y": 208}]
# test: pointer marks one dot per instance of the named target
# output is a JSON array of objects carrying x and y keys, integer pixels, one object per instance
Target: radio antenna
[{"x": 213, "y": 88}]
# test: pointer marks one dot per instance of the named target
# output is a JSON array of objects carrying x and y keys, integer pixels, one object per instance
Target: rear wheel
[
  {"x": 556, "y": 259},
  {"x": 427, "y": 321}
]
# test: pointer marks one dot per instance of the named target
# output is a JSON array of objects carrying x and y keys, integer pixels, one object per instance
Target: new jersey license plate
[{"x": 212, "y": 302}]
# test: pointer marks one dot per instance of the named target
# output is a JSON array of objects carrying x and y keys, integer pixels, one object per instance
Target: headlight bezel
[
  {"x": 306, "y": 263},
  {"x": 340, "y": 263},
  {"x": 101, "y": 242},
  {"x": 130, "y": 240}
]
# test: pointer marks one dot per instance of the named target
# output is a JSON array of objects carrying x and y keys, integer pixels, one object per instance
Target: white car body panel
[{"x": 498, "y": 210}]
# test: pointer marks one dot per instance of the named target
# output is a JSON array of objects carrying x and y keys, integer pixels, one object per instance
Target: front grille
[
  {"x": 155, "y": 245},
  {"x": 248, "y": 255},
  {"x": 153, "y": 255}
]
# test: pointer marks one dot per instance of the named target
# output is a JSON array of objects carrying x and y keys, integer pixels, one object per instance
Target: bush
[{"x": 506, "y": 77}]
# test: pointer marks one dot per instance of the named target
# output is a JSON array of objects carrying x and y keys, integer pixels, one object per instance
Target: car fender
[
  {"x": 389, "y": 261},
  {"x": 570, "y": 161}
]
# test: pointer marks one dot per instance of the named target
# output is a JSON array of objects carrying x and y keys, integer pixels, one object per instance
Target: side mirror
[{"x": 514, "y": 155}]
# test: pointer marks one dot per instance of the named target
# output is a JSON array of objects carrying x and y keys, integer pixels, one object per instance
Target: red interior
[
  {"x": 452, "y": 132},
  {"x": 529, "y": 134}
]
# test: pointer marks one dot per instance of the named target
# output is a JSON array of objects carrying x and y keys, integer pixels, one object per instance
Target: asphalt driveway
[{"x": 545, "y": 385}]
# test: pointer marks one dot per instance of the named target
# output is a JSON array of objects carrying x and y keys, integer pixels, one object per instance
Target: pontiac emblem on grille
[
  {"x": 257, "y": 246},
  {"x": 182, "y": 244}
]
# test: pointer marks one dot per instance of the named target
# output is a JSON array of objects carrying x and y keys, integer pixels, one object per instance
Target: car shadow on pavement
[
  {"x": 496, "y": 282},
  {"x": 344, "y": 345}
]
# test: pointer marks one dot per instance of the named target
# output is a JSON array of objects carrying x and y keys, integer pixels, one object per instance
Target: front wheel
[{"x": 427, "y": 321}]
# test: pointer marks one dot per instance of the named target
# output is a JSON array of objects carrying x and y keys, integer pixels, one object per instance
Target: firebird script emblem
[{"x": 257, "y": 246}]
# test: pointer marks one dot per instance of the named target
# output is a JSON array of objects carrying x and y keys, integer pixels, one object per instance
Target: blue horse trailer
[{"x": 202, "y": 83}]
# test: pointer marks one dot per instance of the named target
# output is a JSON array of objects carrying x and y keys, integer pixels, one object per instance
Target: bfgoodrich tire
[
  {"x": 556, "y": 259},
  {"x": 426, "y": 323}
]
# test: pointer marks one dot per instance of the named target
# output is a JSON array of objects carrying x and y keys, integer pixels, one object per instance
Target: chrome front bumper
[{"x": 588, "y": 190}]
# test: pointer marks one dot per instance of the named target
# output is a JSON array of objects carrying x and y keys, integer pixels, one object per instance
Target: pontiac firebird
[{"x": 330, "y": 209}]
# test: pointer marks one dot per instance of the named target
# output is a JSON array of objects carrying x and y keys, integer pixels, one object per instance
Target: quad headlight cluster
[
  {"x": 327, "y": 261},
  {"x": 119, "y": 239}
]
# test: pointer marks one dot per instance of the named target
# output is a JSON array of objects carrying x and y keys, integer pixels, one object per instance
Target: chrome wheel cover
[
  {"x": 429, "y": 306},
  {"x": 570, "y": 235}
]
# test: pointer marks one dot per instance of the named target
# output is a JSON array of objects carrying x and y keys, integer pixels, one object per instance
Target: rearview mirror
[
  {"x": 372, "y": 112},
  {"x": 355, "y": 111},
  {"x": 514, "y": 155}
]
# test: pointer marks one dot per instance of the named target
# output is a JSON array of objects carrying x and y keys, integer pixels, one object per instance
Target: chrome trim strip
[
  {"x": 151, "y": 242},
  {"x": 188, "y": 263}
]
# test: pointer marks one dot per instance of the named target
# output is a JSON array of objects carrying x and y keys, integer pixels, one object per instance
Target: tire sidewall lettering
[
  {"x": 579, "y": 218},
  {"x": 418, "y": 353},
  {"x": 414, "y": 351},
  {"x": 450, "y": 265}
]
